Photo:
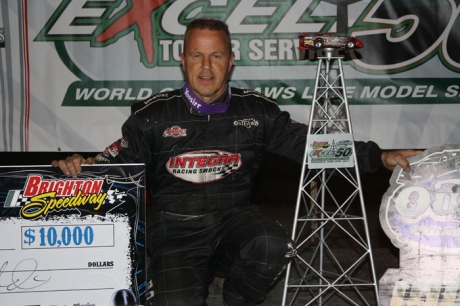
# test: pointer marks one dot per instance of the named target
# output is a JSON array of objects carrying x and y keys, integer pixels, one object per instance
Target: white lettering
[
  {"x": 105, "y": 93},
  {"x": 117, "y": 93},
  {"x": 350, "y": 90},
  {"x": 255, "y": 46},
  {"x": 289, "y": 24},
  {"x": 270, "y": 49},
  {"x": 367, "y": 93},
  {"x": 419, "y": 91},
  {"x": 191, "y": 99},
  {"x": 84, "y": 93},
  {"x": 388, "y": 92},
  {"x": 165, "y": 47},
  {"x": 452, "y": 91},
  {"x": 177, "y": 49},
  {"x": 287, "y": 49},
  {"x": 171, "y": 50},
  {"x": 128, "y": 94},
  {"x": 289, "y": 93},
  {"x": 144, "y": 93},
  {"x": 430, "y": 94},
  {"x": 66, "y": 25},
  {"x": 273, "y": 92},
  {"x": 170, "y": 19},
  {"x": 244, "y": 10},
  {"x": 404, "y": 91},
  {"x": 236, "y": 46},
  {"x": 305, "y": 94},
  {"x": 114, "y": 93}
]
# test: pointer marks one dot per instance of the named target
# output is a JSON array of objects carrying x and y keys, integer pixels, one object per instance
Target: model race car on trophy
[{"x": 321, "y": 40}]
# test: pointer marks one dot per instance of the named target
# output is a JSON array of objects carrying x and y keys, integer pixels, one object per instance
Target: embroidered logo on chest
[
  {"x": 250, "y": 122},
  {"x": 175, "y": 131},
  {"x": 204, "y": 166}
]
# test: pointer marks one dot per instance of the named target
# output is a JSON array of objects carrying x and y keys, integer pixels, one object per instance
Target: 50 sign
[
  {"x": 330, "y": 151},
  {"x": 343, "y": 152}
]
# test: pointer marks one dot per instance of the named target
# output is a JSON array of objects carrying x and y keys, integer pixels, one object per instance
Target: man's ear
[
  {"x": 182, "y": 60},
  {"x": 232, "y": 59}
]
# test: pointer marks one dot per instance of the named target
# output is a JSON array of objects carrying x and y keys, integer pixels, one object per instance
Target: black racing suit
[{"x": 200, "y": 170}]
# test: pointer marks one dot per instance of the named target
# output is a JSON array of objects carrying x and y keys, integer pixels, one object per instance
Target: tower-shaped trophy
[{"x": 334, "y": 263}]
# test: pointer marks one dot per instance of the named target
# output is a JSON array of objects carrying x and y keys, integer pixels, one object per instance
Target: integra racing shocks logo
[
  {"x": 204, "y": 166},
  {"x": 41, "y": 197}
]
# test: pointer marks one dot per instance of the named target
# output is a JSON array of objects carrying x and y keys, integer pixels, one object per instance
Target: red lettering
[
  {"x": 191, "y": 161},
  {"x": 52, "y": 185},
  {"x": 86, "y": 188},
  {"x": 222, "y": 159},
  {"x": 58, "y": 187},
  {"x": 234, "y": 159},
  {"x": 201, "y": 161},
  {"x": 33, "y": 183},
  {"x": 212, "y": 161},
  {"x": 97, "y": 186},
  {"x": 78, "y": 187},
  {"x": 67, "y": 189},
  {"x": 43, "y": 187},
  {"x": 180, "y": 162},
  {"x": 208, "y": 159}
]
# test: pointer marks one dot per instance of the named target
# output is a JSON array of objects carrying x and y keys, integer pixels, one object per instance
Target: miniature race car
[{"x": 321, "y": 40}]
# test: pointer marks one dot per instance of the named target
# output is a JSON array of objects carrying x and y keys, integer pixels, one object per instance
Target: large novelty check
[{"x": 66, "y": 241}]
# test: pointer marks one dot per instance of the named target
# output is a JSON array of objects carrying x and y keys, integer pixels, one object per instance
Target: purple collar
[{"x": 197, "y": 104}]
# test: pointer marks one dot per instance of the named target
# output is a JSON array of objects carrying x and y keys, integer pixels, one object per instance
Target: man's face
[{"x": 206, "y": 63}]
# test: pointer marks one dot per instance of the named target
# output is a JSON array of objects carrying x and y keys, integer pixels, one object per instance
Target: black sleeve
[
  {"x": 288, "y": 138},
  {"x": 369, "y": 156}
]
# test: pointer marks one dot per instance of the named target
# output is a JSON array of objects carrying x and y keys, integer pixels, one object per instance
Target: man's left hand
[{"x": 391, "y": 159}]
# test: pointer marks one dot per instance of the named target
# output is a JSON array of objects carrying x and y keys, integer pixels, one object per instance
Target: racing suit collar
[{"x": 218, "y": 106}]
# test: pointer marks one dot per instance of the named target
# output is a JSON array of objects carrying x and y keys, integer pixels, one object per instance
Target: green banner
[{"x": 286, "y": 92}]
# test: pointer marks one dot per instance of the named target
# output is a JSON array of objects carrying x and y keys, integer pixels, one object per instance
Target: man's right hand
[{"x": 71, "y": 166}]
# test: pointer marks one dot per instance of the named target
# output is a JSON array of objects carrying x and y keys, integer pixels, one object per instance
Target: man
[{"x": 202, "y": 146}]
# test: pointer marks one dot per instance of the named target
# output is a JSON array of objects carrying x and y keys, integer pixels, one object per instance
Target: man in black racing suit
[{"x": 201, "y": 160}]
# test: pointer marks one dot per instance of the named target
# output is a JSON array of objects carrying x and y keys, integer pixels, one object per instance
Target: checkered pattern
[
  {"x": 226, "y": 169},
  {"x": 15, "y": 199},
  {"x": 115, "y": 197}
]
